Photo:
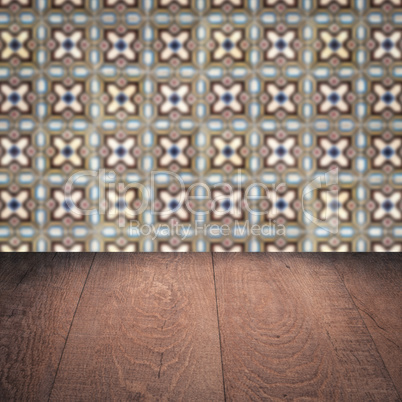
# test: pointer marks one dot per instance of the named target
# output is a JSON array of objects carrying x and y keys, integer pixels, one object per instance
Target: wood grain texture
[
  {"x": 289, "y": 330},
  {"x": 146, "y": 329},
  {"x": 374, "y": 282},
  {"x": 15, "y": 266},
  {"x": 37, "y": 301}
]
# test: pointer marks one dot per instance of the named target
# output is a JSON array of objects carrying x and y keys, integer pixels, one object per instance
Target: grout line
[
  {"x": 365, "y": 325},
  {"x": 219, "y": 328},
  {"x": 69, "y": 330}
]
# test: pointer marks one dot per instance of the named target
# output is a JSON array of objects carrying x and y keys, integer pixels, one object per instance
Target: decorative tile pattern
[{"x": 110, "y": 101}]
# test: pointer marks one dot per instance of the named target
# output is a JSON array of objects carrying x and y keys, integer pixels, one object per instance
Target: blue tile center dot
[
  {"x": 227, "y": 151},
  {"x": 281, "y": 98},
  {"x": 334, "y": 205},
  {"x": 121, "y": 204},
  {"x": 68, "y": 98},
  {"x": 281, "y": 204},
  {"x": 66, "y": 206},
  {"x": 15, "y": 45},
  {"x": 67, "y": 151},
  {"x": 14, "y": 98},
  {"x": 387, "y": 205},
  {"x": 14, "y": 151},
  {"x": 334, "y": 152},
  {"x": 173, "y": 204},
  {"x": 388, "y": 98},
  {"x": 387, "y": 44},
  {"x": 174, "y": 98},
  {"x": 334, "y": 45},
  {"x": 226, "y": 204},
  {"x": 121, "y": 98},
  {"x": 281, "y": 44},
  {"x": 14, "y": 204},
  {"x": 174, "y": 151},
  {"x": 120, "y": 151},
  {"x": 120, "y": 45},
  {"x": 227, "y": 45},
  {"x": 227, "y": 97},
  {"x": 68, "y": 44},
  {"x": 281, "y": 151},
  {"x": 175, "y": 45},
  {"x": 334, "y": 98},
  {"x": 388, "y": 151}
]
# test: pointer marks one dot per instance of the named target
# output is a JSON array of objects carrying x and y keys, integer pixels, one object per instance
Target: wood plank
[
  {"x": 14, "y": 267},
  {"x": 289, "y": 329},
  {"x": 36, "y": 311},
  {"x": 146, "y": 328},
  {"x": 374, "y": 282}
]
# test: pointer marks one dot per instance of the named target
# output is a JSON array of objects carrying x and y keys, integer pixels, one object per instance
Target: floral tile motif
[{"x": 200, "y": 125}]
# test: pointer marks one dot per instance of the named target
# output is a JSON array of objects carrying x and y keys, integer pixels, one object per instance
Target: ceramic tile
[{"x": 201, "y": 125}]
